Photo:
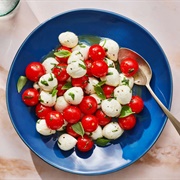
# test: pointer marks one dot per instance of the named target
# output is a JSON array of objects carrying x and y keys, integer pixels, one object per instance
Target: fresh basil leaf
[
  {"x": 66, "y": 86},
  {"x": 54, "y": 92},
  {"x": 99, "y": 91},
  {"x": 78, "y": 128},
  {"x": 82, "y": 66},
  {"x": 102, "y": 141},
  {"x": 101, "y": 83},
  {"x": 126, "y": 111},
  {"x": 62, "y": 53},
  {"x": 125, "y": 81},
  {"x": 72, "y": 95},
  {"x": 21, "y": 83}
]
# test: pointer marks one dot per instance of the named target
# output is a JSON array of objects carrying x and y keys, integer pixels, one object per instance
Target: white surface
[{"x": 161, "y": 18}]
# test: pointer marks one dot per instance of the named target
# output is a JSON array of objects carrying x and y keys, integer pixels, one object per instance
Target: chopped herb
[
  {"x": 66, "y": 86},
  {"x": 82, "y": 66},
  {"x": 125, "y": 82},
  {"x": 109, "y": 73},
  {"x": 62, "y": 53},
  {"x": 72, "y": 95},
  {"x": 102, "y": 141},
  {"x": 115, "y": 130},
  {"x": 99, "y": 91},
  {"x": 21, "y": 83},
  {"x": 54, "y": 92},
  {"x": 44, "y": 82},
  {"x": 101, "y": 83},
  {"x": 82, "y": 45},
  {"x": 51, "y": 77},
  {"x": 58, "y": 142},
  {"x": 41, "y": 100},
  {"x": 104, "y": 43},
  {"x": 78, "y": 128},
  {"x": 126, "y": 111}
]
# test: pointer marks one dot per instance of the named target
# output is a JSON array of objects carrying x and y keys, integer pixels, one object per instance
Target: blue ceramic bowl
[{"x": 133, "y": 144}]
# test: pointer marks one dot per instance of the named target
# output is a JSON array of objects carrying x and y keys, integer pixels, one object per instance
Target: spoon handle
[{"x": 173, "y": 120}]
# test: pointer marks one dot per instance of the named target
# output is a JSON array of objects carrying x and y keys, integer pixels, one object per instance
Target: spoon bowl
[{"x": 143, "y": 77}]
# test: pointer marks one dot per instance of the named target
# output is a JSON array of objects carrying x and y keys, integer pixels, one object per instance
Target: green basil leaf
[
  {"x": 126, "y": 111},
  {"x": 101, "y": 83},
  {"x": 82, "y": 66},
  {"x": 125, "y": 81},
  {"x": 78, "y": 128},
  {"x": 54, "y": 92},
  {"x": 66, "y": 86},
  {"x": 102, "y": 141},
  {"x": 72, "y": 95},
  {"x": 21, "y": 83},
  {"x": 62, "y": 53},
  {"x": 99, "y": 91}
]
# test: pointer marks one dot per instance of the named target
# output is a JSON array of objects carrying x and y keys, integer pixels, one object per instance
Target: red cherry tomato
[
  {"x": 136, "y": 104},
  {"x": 72, "y": 114},
  {"x": 89, "y": 123},
  {"x": 88, "y": 64},
  {"x": 59, "y": 88},
  {"x": 108, "y": 91},
  {"x": 34, "y": 71},
  {"x": 70, "y": 131},
  {"x": 127, "y": 122},
  {"x": 54, "y": 120},
  {"x": 42, "y": 111},
  {"x": 80, "y": 82},
  {"x": 99, "y": 68},
  {"x": 96, "y": 52},
  {"x": 129, "y": 67},
  {"x": 103, "y": 119},
  {"x": 84, "y": 143},
  {"x": 63, "y": 59},
  {"x": 88, "y": 105},
  {"x": 60, "y": 72},
  {"x": 30, "y": 97}
]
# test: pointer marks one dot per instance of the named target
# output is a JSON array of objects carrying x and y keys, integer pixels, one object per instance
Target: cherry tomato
[
  {"x": 63, "y": 59},
  {"x": 60, "y": 72},
  {"x": 129, "y": 67},
  {"x": 42, "y": 111},
  {"x": 88, "y": 64},
  {"x": 84, "y": 143},
  {"x": 89, "y": 123},
  {"x": 80, "y": 82},
  {"x": 127, "y": 122},
  {"x": 54, "y": 120},
  {"x": 30, "y": 97},
  {"x": 103, "y": 119},
  {"x": 88, "y": 105},
  {"x": 59, "y": 88},
  {"x": 96, "y": 52},
  {"x": 72, "y": 114},
  {"x": 70, "y": 131},
  {"x": 99, "y": 68},
  {"x": 136, "y": 104},
  {"x": 34, "y": 71},
  {"x": 108, "y": 91}
]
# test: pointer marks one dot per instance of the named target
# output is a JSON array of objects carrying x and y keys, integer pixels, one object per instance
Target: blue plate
[{"x": 132, "y": 144}]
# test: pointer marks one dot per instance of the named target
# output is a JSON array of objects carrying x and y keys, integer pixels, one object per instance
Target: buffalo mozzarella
[
  {"x": 48, "y": 82},
  {"x": 49, "y": 64},
  {"x": 112, "y": 130},
  {"x": 112, "y": 77},
  {"x": 75, "y": 56},
  {"x": 61, "y": 104},
  {"x": 74, "y": 95},
  {"x": 123, "y": 94},
  {"x": 129, "y": 81},
  {"x": 97, "y": 133},
  {"x": 111, "y": 107},
  {"x": 66, "y": 142},
  {"x": 111, "y": 47},
  {"x": 92, "y": 81},
  {"x": 43, "y": 129},
  {"x": 76, "y": 69},
  {"x": 68, "y": 39}
]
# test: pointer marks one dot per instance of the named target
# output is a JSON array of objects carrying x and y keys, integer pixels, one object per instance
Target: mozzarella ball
[
  {"x": 111, "y": 107},
  {"x": 61, "y": 104},
  {"x": 129, "y": 81},
  {"x": 48, "y": 82},
  {"x": 97, "y": 133},
  {"x": 83, "y": 49},
  {"x": 112, "y": 77},
  {"x": 36, "y": 86},
  {"x": 76, "y": 69},
  {"x": 47, "y": 98},
  {"x": 75, "y": 56},
  {"x": 74, "y": 95},
  {"x": 123, "y": 94},
  {"x": 49, "y": 64},
  {"x": 92, "y": 81},
  {"x": 111, "y": 47},
  {"x": 66, "y": 142},
  {"x": 68, "y": 39},
  {"x": 98, "y": 100},
  {"x": 109, "y": 62},
  {"x": 112, "y": 130},
  {"x": 43, "y": 129}
]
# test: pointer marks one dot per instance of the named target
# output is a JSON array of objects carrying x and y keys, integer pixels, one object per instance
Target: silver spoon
[{"x": 143, "y": 77}]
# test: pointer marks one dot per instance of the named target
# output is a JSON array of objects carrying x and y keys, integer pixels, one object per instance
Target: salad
[{"x": 83, "y": 92}]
